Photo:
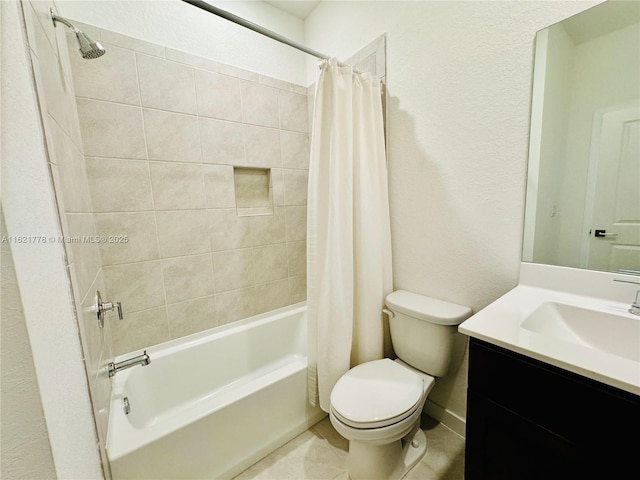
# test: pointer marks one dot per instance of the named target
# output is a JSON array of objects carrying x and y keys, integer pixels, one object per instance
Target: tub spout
[
  {"x": 635, "y": 306},
  {"x": 143, "y": 360}
]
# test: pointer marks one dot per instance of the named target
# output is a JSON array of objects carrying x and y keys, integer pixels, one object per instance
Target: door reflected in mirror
[{"x": 583, "y": 185}]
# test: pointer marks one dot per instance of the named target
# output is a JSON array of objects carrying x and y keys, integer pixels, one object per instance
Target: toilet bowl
[{"x": 377, "y": 405}]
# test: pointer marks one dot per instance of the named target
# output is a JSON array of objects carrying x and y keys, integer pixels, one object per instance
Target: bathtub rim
[{"x": 170, "y": 346}]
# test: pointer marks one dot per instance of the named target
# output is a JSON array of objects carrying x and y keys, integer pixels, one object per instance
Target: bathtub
[{"x": 211, "y": 404}]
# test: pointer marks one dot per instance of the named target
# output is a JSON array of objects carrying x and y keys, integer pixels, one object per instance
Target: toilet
[{"x": 377, "y": 405}]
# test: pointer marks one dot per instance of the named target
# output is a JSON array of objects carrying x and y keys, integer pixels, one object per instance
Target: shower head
[{"x": 89, "y": 48}]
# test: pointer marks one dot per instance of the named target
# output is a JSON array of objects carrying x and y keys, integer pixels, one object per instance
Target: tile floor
[{"x": 320, "y": 453}]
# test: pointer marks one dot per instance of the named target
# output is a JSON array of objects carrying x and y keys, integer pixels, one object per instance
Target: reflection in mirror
[{"x": 583, "y": 186}]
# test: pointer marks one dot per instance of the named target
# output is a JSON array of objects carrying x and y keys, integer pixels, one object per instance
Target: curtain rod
[{"x": 257, "y": 28}]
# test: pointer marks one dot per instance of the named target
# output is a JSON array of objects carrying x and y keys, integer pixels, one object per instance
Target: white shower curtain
[{"x": 348, "y": 231}]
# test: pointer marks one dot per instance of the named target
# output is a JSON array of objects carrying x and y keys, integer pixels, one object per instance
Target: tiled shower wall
[
  {"x": 52, "y": 71},
  {"x": 162, "y": 132}
]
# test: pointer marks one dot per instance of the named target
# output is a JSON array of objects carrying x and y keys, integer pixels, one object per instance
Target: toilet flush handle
[{"x": 388, "y": 312}]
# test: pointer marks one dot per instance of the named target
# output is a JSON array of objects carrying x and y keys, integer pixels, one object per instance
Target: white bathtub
[{"x": 211, "y": 404}]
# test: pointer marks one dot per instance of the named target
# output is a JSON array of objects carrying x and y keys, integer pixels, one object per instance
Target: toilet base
[{"x": 391, "y": 461}]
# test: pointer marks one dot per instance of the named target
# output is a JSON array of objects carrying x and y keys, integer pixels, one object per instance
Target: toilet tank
[{"x": 423, "y": 330}]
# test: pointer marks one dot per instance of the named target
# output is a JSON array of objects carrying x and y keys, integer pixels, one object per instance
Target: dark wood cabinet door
[{"x": 527, "y": 420}]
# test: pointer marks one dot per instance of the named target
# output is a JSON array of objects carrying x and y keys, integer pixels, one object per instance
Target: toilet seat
[
  {"x": 376, "y": 424},
  {"x": 376, "y": 394}
]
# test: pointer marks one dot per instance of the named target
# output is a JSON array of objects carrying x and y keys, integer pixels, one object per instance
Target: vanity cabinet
[{"x": 528, "y": 420}]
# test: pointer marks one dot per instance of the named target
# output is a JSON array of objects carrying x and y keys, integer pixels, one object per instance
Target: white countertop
[{"x": 500, "y": 322}]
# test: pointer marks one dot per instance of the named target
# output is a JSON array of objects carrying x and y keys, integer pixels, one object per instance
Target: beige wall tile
[
  {"x": 192, "y": 316},
  {"x": 270, "y": 263},
  {"x": 183, "y": 232},
  {"x": 118, "y": 185},
  {"x": 293, "y": 111},
  {"x": 310, "y": 107},
  {"x": 233, "y": 269},
  {"x": 111, "y": 129},
  {"x": 295, "y": 187},
  {"x": 295, "y": 149},
  {"x": 181, "y": 205},
  {"x": 254, "y": 211},
  {"x": 73, "y": 185},
  {"x": 298, "y": 288},
  {"x": 107, "y": 339},
  {"x": 137, "y": 285},
  {"x": 74, "y": 124},
  {"x": 101, "y": 385},
  {"x": 262, "y": 146},
  {"x": 222, "y": 142},
  {"x": 166, "y": 85},
  {"x": 113, "y": 77},
  {"x": 193, "y": 60},
  {"x": 140, "y": 330},
  {"x": 227, "y": 230},
  {"x": 238, "y": 72},
  {"x": 218, "y": 96},
  {"x": 52, "y": 80},
  {"x": 91, "y": 30},
  {"x": 297, "y": 258},
  {"x": 172, "y": 136},
  {"x": 296, "y": 223},
  {"x": 40, "y": 14},
  {"x": 219, "y": 186},
  {"x": 235, "y": 305},
  {"x": 277, "y": 187},
  {"x": 259, "y": 105},
  {"x": 186, "y": 278},
  {"x": 131, "y": 43},
  {"x": 141, "y": 243},
  {"x": 269, "y": 229},
  {"x": 177, "y": 186},
  {"x": 281, "y": 84},
  {"x": 270, "y": 296},
  {"x": 86, "y": 255},
  {"x": 90, "y": 332},
  {"x": 55, "y": 177}
]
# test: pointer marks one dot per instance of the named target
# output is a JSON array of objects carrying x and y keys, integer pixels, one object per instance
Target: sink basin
[{"x": 615, "y": 334}]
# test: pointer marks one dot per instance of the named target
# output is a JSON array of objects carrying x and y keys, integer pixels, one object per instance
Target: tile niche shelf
[{"x": 253, "y": 190}]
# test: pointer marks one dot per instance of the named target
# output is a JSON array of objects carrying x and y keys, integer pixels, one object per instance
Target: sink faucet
[
  {"x": 143, "y": 360},
  {"x": 635, "y": 306}
]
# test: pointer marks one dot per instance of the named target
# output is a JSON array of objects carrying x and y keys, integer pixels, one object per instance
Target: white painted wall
[
  {"x": 24, "y": 441},
  {"x": 181, "y": 26},
  {"x": 459, "y": 85}
]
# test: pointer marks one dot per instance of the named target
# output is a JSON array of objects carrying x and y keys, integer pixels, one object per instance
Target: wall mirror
[{"x": 583, "y": 185}]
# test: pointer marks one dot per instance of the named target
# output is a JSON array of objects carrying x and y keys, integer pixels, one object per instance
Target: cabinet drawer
[{"x": 585, "y": 412}]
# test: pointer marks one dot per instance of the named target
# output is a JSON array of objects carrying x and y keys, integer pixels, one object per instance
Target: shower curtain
[{"x": 348, "y": 231}]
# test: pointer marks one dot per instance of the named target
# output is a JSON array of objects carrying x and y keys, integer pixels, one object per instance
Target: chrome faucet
[
  {"x": 635, "y": 306},
  {"x": 143, "y": 360}
]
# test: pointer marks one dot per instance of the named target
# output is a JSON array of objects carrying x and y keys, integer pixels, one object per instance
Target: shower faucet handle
[{"x": 103, "y": 307}]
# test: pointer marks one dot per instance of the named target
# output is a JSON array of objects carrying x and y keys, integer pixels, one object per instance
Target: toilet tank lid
[{"x": 427, "y": 308}]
